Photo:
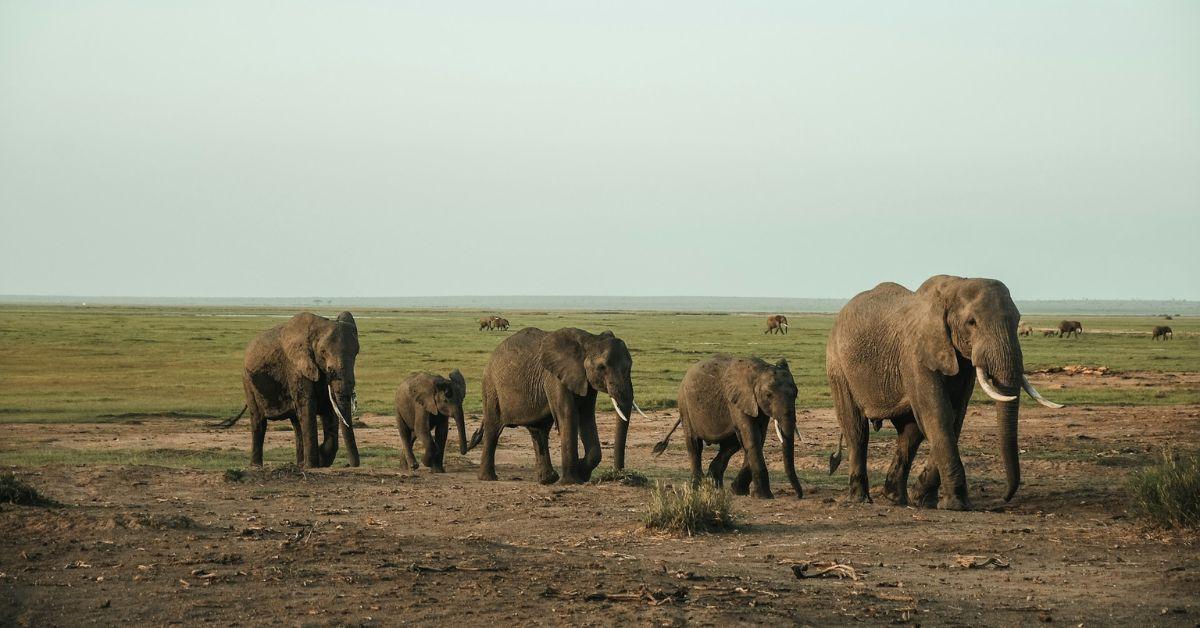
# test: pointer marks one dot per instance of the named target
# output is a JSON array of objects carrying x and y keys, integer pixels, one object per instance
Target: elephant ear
[
  {"x": 348, "y": 318},
  {"x": 738, "y": 385},
  {"x": 932, "y": 338},
  {"x": 460, "y": 383},
  {"x": 562, "y": 355},
  {"x": 783, "y": 364},
  {"x": 298, "y": 349}
]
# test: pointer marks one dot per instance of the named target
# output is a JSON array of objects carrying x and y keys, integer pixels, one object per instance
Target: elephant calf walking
[
  {"x": 424, "y": 405},
  {"x": 728, "y": 401}
]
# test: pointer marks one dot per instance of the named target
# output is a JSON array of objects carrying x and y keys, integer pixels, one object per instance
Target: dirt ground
[{"x": 372, "y": 546}]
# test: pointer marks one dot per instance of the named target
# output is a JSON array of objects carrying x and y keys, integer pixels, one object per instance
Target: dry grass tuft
[
  {"x": 689, "y": 510},
  {"x": 1168, "y": 492}
]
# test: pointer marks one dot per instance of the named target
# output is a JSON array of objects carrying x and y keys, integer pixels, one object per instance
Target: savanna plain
[{"x": 150, "y": 514}]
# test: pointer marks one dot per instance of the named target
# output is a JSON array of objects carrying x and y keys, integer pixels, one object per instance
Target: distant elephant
[
  {"x": 777, "y": 323},
  {"x": 1024, "y": 330},
  {"x": 425, "y": 403},
  {"x": 1070, "y": 327},
  {"x": 538, "y": 379},
  {"x": 486, "y": 323},
  {"x": 1162, "y": 331},
  {"x": 298, "y": 371},
  {"x": 1049, "y": 332},
  {"x": 728, "y": 401},
  {"x": 499, "y": 322},
  {"x": 914, "y": 358}
]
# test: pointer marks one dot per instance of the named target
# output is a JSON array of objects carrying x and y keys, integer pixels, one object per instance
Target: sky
[{"x": 782, "y": 149}]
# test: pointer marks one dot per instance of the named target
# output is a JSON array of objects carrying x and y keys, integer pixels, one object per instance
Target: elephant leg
[
  {"x": 329, "y": 444},
  {"x": 299, "y": 443},
  {"x": 351, "y": 443},
  {"x": 720, "y": 462},
  {"x": 406, "y": 442},
  {"x": 908, "y": 440},
  {"x": 926, "y": 489},
  {"x": 258, "y": 434},
  {"x": 541, "y": 446},
  {"x": 439, "y": 441},
  {"x": 854, "y": 427},
  {"x": 695, "y": 447},
  {"x": 566, "y": 413},
  {"x": 424, "y": 432},
  {"x": 491, "y": 427},
  {"x": 938, "y": 423},
  {"x": 590, "y": 437},
  {"x": 752, "y": 443}
]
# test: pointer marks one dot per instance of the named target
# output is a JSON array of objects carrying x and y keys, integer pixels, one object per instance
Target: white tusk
[
  {"x": 1037, "y": 395},
  {"x": 987, "y": 387},
  {"x": 335, "y": 408},
  {"x": 618, "y": 409},
  {"x": 777, "y": 432},
  {"x": 639, "y": 410}
]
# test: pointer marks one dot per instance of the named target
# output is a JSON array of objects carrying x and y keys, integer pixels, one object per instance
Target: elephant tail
[
  {"x": 661, "y": 445},
  {"x": 229, "y": 422},
  {"x": 836, "y": 459}
]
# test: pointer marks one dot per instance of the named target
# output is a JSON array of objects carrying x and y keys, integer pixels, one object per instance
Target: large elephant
[
  {"x": 1162, "y": 331},
  {"x": 777, "y": 323},
  {"x": 425, "y": 403},
  {"x": 728, "y": 401},
  {"x": 298, "y": 371},
  {"x": 1066, "y": 328},
  {"x": 538, "y": 379},
  {"x": 914, "y": 358},
  {"x": 486, "y": 323}
]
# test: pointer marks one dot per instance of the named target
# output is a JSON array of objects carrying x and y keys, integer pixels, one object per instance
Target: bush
[
  {"x": 624, "y": 476},
  {"x": 234, "y": 475},
  {"x": 1168, "y": 492},
  {"x": 15, "y": 491},
  {"x": 703, "y": 508}
]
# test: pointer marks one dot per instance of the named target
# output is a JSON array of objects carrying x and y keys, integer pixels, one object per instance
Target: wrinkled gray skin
[
  {"x": 1162, "y": 331},
  {"x": 730, "y": 401},
  {"x": 1067, "y": 328},
  {"x": 910, "y": 357},
  {"x": 425, "y": 403},
  {"x": 289, "y": 373},
  {"x": 536, "y": 379}
]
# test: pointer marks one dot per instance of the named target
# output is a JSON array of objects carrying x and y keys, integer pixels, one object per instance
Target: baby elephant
[
  {"x": 728, "y": 401},
  {"x": 424, "y": 404}
]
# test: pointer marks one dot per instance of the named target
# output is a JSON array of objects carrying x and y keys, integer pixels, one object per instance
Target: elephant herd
[{"x": 912, "y": 358}]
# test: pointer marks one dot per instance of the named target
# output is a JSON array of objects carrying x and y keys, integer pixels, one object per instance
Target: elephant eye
[{"x": 971, "y": 321}]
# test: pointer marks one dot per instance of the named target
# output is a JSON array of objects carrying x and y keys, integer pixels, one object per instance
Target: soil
[{"x": 370, "y": 546}]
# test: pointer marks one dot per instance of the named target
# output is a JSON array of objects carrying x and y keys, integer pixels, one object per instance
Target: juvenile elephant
[
  {"x": 1162, "y": 331},
  {"x": 1066, "y": 328},
  {"x": 298, "y": 371},
  {"x": 537, "y": 379},
  {"x": 914, "y": 358},
  {"x": 425, "y": 403},
  {"x": 1024, "y": 330},
  {"x": 1046, "y": 333},
  {"x": 777, "y": 323},
  {"x": 728, "y": 401},
  {"x": 486, "y": 323},
  {"x": 499, "y": 322}
]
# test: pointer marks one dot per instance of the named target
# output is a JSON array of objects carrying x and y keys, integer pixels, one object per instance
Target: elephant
[
  {"x": 777, "y": 323},
  {"x": 499, "y": 322},
  {"x": 1069, "y": 327},
  {"x": 486, "y": 323},
  {"x": 1162, "y": 331},
  {"x": 424, "y": 405},
  {"x": 539, "y": 379},
  {"x": 729, "y": 400},
  {"x": 1046, "y": 333},
  {"x": 914, "y": 358},
  {"x": 298, "y": 371},
  {"x": 1024, "y": 330}
]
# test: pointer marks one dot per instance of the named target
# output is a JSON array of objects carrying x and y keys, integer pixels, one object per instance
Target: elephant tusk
[
  {"x": 987, "y": 387},
  {"x": 778, "y": 433},
  {"x": 1037, "y": 395},
  {"x": 333, "y": 403},
  {"x": 639, "y": 410},
  {"x": 618, "y": 409}
]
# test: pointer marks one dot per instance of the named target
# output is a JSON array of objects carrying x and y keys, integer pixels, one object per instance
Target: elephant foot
[
  {"x": 895, "y": 493},
  {"x": 437, "y": 469},
  {"x": 739, "y": 488},
  {"x": 858, "y": 494},
  {"x": 923, "y": 497},
  {"x": 953, "y": 502},
  {"x": 487, "y": 476},
  {"x": 764, "y": 494},
  {"x": 548, "y": 476}
]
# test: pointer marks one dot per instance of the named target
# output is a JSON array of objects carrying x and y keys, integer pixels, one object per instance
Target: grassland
[{"x": 111, "y": 363}]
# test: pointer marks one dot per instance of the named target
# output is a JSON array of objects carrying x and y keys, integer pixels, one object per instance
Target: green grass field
[{"x": 64, "y": 363}]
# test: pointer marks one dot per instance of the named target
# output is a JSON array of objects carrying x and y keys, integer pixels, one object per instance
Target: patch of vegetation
[
  {"x": 625, "y": 477},
  {"x": 14, "y": 490},
  {"x": 234, "y": 475},
  {"x": 692, "y": 509},
  {"x": 1168, "y": 492}
]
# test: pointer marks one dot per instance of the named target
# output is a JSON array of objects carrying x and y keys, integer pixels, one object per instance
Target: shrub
[
  {"x": 689, "y": 510},
  {"x": 234, "y": 475},
  {"x": 13, "y": 490},
  {"x": 624, "y": 476},
  {"x": 1168, "y": 491}
]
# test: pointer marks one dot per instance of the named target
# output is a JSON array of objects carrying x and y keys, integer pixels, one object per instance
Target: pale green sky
[{"x": 785, "y": 149}]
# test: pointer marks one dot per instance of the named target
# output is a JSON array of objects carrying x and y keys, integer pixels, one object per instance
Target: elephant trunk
[
  {"x": 460, "y": 421},
  {"x": 622, "y": 398},
  {"x": 1006, "y": 417},
  {"x": 787, "y": 436},
  {"x": 1007, "y": 367}
]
